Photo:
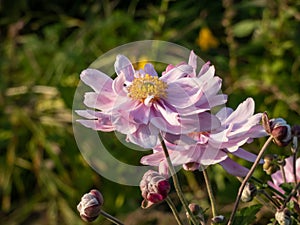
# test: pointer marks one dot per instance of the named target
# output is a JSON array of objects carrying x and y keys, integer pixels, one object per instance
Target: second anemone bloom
[
  {"x": 197, "y": 149},
  {"x": 140, "y": 104}
]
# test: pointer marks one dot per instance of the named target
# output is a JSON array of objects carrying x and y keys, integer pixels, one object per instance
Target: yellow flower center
[{"x": 147, "y": 86}]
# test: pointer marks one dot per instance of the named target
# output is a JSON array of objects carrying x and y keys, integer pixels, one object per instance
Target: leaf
[
  {"x": 244, "y": 28},
  {"x": 287, "y": 187},
  {"x": 247, "y": 215}
]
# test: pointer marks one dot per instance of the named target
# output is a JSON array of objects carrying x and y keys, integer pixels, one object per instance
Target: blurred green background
[{"x": 44, "y": 45}]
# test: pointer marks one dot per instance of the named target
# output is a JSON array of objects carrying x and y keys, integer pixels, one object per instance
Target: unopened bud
[
  {"x": 266, "y": 122},
  {"x": 197, "y": 211},
  {"x": 270, "y": 165},
  {"x": 90, "y": 205},
  {"x": 154, "y": 188},
  {"x": 283, "y": 217},
  {"x": 218, "y": 219},
  {"x": 249, "y": 192},
  {"x": 191, "y": 166},
  {"x": 281, "y": 132}
]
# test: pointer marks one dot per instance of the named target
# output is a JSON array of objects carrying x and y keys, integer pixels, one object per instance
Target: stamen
[{"x": 147, "y": 86}]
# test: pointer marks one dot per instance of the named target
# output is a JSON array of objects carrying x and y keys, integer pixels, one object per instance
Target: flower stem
[
  {"x": 293, "y": 193},
  {"x": 294, "y": 167},
  {"x": 266, "y": 185},
  {"x": 176, "y": 182},
  {"x": 210, "y": 192},
  {"x": 111, "y": 218},
  {"x": 283, "y": 173},
  {"x": 250, "y": 173},
  {"x": 173, "y": 208},
  {"x": 266, "y": 194}
]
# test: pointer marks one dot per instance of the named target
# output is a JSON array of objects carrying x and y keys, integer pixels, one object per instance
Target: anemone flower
[
  {"x": 198, "y": 149},
  {"x": 140, "y": 104}
]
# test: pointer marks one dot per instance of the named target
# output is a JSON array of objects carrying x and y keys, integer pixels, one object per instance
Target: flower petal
[
  {"x": 124, "y": 66},
  {"x": 145, "y": 136},
  {"x": 241, "y": 153},
  {"x": 103, "y": 101},
  {"x": 149, "y": 69},
  {"x": 244, "y": 110},
  {"x": 177, "y": 73},
  {"x": 97, "y": 80},
  {"x": 234, "y": 168}
]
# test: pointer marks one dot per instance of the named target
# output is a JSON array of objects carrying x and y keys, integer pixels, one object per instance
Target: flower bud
[
  {"x": 90, "y": 205},
  {"x": 218, "y": 219},
  {"x": 283, "y": 217},
  {"x": 249, "y": 192},
  {"x": 270, "y": 165},
  {"x": 197, "y": 211},
  {"x": 191, "y": 166},
  {"x": 281, "y": 131},
  {"x": 154, "y": 188}
]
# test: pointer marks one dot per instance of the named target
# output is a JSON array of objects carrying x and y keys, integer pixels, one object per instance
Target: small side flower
[
  {"x": 90, "y": 205},
  {"x": 154, "y": 188},
  {"x": 279, "y": 129}
]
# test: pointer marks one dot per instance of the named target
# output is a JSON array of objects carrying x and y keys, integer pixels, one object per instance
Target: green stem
[
  {"x": 293, "y": 193},
  {"x": 111, "y": 218},
  {"x": 283, "y": 173},
  {"x": 173, "y": 208},
  {"x": 210, "y": 193},
  {"x": 266, "y": 194},
  {"x": 294, "y": 167},
  {"x": 266, "y": 185},
  {"x": 176, "y": 182},
  {"x": 250, "y": 173}
]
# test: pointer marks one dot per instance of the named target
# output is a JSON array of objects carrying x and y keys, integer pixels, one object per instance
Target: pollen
[{"x": 147, "y": 86}]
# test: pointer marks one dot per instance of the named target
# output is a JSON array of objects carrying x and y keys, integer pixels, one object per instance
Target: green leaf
[
  {"x": 247, "y": 215},
  {"x": 287, "y": 187},
  {"x": 244, "y": 28}
]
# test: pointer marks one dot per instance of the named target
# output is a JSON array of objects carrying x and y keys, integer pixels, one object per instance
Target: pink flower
[
  {"x": 278, "y": 179},
  {"x": 140, "y": 104},
  {"x": 205, "y": 148}
]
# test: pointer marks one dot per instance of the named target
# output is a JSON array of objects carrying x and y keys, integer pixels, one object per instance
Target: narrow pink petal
[
  {"x": 177, "y": 73},
  {"x": 234, "y": 168},
  {"x": 224, "y": 113},
  {"x": 140, "y": 113},
  {"x": 103, "y": 101},
  {"x": 97, "y": 80},
  {"x": 145, "y": 136},
  {"x": 162, "y": 110},
  {"x": 211, "y": 155},
  {"x": 193, "y": 62},
  {"x": 118, "y": 85},
  {"x": 88, "y": 114},
  {"x": 149, "y": 69},
  {"x": 153, "y": 159},
  {"x": 124, "y": 66},
  {"x": 241, "y": 153},
  {"x": 206, "y": 71},
  {"x": 99, "y": 124},
  {"x": 243, "y": 111}
]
